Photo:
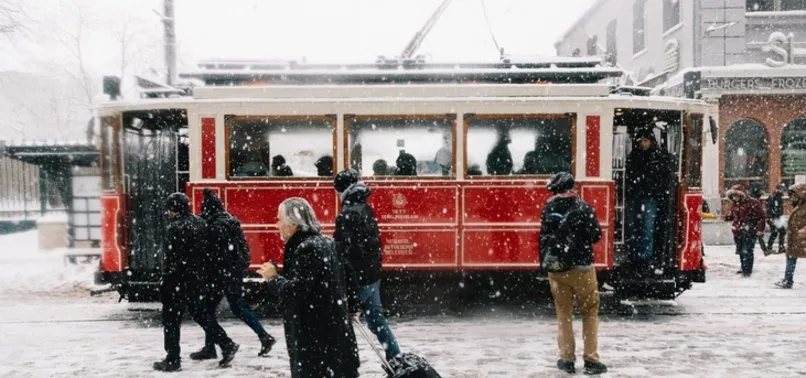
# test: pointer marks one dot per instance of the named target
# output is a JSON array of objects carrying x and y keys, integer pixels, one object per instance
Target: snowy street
[{"x": 730, "y": 326}]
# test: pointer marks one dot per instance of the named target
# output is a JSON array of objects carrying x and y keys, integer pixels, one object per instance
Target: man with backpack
[
  {"x": 358, "y": 240},
  {"x": 775, "y": 214},
  {"x": 568, "y": 229},
  {"x": 231, "y": 254}
]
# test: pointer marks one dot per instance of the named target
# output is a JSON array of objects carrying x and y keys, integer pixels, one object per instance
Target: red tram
[{"x": 422, "y": 135}]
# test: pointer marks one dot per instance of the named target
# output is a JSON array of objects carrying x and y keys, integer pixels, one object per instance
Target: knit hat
[
  {"x": 344, "y": 179},
  {"x": 561, "y": 183},
  {"x": 178, "y": 203}
]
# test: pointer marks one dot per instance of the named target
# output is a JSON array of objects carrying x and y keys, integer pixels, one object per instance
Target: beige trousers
[{"x": 579, "y": 283}]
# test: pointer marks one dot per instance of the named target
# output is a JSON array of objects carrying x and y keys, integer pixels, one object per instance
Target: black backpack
[{"x": 574, "y": 228}]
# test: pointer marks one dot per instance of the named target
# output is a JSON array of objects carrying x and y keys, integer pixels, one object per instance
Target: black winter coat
[
  {"x": 184, "y": 267},
  {"x": 775, "y": 205},
  {"x": 581, "y": 228},
  {"x": 312, "y": 291},
  {"x": 649, "y": 173},
  {"x": 228, "y": 250},
  {"x": 357, "y": 236}
]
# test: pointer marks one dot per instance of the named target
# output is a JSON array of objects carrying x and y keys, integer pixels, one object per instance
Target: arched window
[
  {"x": 793, "y": 150},
  {"x": 746, "y": 151}
]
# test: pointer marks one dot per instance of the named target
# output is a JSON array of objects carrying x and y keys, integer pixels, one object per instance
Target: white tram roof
[{"x": 561, "y": 79}]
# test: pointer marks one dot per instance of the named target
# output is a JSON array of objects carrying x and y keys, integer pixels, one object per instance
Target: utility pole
[{"x": 170, "y": 40}]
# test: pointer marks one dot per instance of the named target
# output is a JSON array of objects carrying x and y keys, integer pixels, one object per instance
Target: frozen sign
[{"x": 754, "y": 83}]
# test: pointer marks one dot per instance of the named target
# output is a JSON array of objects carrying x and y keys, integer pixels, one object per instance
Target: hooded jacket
[
  {"x": 746, "y": 213},
  {"x": 228, "y": 252},
  {"x": 649, "y": 172},
  {"x": 796, "y": 244},
  {"x": 357, "y": 236}
]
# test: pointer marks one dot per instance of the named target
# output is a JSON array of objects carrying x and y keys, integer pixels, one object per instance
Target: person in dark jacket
[
  {"x": 748, "y": 224},
  {"x": 359, "y": 241},
  {"x": 775, "y": 215},
  {"x": 231, "y": 257},
  {"x": 324, "y": 166},
  {"x": 648, "y": 186},
  {"x": 568, "y": 229},
  {"x": 499, "y": 160},
  {"x": 313, "y": 293},
  {"x": 185, "y": 283},
  {"x": 279, "y": 168},
  {"x": 406, "y": 164}
]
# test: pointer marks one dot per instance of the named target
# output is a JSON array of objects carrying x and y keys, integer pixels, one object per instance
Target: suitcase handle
[{"x": 374, "y": 345}]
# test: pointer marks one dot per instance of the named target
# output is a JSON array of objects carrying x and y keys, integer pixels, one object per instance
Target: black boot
[
  {"x": 566, "y": 366},
  {"x": 595, "y": 368},
  {"x": 228, "y": 354},
  {"x": 168, "y": 365},
  {"x": 266, "y": 343},
  {"x": 205, "y": 353}
]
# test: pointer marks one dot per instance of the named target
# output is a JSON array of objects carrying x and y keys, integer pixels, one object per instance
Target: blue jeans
[
  {"x": 370, "y": 296},
  {"x": 789, "y": 273},
  {"x": 233, "y": 291},
  {"x": 744, "y": 248},
  {"x": 644, "y": 214}
]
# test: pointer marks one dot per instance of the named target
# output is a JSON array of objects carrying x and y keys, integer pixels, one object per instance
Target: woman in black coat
[{"x": 313, "y": 293}]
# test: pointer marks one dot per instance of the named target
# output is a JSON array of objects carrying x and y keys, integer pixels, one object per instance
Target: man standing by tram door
[
  {"x": 185, "y": 284},
  {"x": 358, "y": 240},
  {"x": 230, "y": 255},
  {"x": 648, "y": 187}
]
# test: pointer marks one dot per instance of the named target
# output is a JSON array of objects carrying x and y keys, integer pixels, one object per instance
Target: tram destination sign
[{"x": 754, "y": 83}]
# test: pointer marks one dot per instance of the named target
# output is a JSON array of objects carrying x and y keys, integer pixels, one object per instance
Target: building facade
[{"x": 746, "y": 56}]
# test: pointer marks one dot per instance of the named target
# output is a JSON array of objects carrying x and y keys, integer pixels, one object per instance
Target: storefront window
[
  {"x": 760, "y": 5},
  {"x": 518, "y": 145},
  {"x": 746, "y": 151},
  {"x": 270, "y": 147},
  {"x": 419, "y": 146},
  {"x": 793, "y": 150}
]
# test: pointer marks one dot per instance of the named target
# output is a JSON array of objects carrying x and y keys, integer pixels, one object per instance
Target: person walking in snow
[
  {"x": 568, "y": 230},
  {"x": 313, "y": 293},
  {"x": 775, "y": 215},
  {"x": 358, "y": 240},
  {"x": 230, "y": 257},
  {"x": 748, "y": 224},
  {"x": 796, "y": 228},
  {"x": 185, "y": 284}
]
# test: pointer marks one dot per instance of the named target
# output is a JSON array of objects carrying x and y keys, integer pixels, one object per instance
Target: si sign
[{"x": 782, "y": 48}]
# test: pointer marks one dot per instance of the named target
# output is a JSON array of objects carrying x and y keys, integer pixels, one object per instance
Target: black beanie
[
  {"x": 344, "y": 179},
  {"x": 178, "y": 203},
  {"x": 561, "y": 183}
]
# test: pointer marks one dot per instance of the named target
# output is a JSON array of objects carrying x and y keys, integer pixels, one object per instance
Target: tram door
[
  {"x": 633, "y": 249},
  {"x": 155, "y": 165}
]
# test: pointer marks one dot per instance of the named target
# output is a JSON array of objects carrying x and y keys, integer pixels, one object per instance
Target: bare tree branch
[{"x": 12, "y": 18}]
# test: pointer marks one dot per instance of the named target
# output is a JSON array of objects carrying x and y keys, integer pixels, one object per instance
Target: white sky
[{"x": 321, "y": 30}]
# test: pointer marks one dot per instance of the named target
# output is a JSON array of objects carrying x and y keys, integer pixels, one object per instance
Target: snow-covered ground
[{"x": 728, "y": 327}]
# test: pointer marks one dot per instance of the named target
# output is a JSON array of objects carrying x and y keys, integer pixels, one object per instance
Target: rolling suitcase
[{"x": 406, "y": 365}]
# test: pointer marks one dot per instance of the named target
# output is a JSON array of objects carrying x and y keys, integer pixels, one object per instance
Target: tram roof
[{"x": 393, "y": 71}]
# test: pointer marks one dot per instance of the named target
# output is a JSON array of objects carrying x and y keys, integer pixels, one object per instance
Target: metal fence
[{"x": 19, "y": 190}]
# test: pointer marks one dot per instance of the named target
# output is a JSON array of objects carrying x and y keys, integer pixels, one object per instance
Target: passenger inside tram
[
  {"x": 279, "y": 167},
  {"x": 380, "y": 168},
  {"x": 324, "y": 166},
  {"x": 499, "y": 160},
  {"x": 406, "y": 164},
  {"x": 530, "y": 164}
]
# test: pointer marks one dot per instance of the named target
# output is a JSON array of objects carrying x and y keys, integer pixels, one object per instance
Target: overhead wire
[{"x": 490, "y": 28}]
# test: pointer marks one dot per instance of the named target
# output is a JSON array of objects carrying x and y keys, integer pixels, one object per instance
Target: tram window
[
  {"x": 107, "y": 181},
  {"x": 401, "y": 146},
  {"x": 279, "y": 147},
  {"x": 694, "y": 169},
  {"x": 518, "y": 145}
]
